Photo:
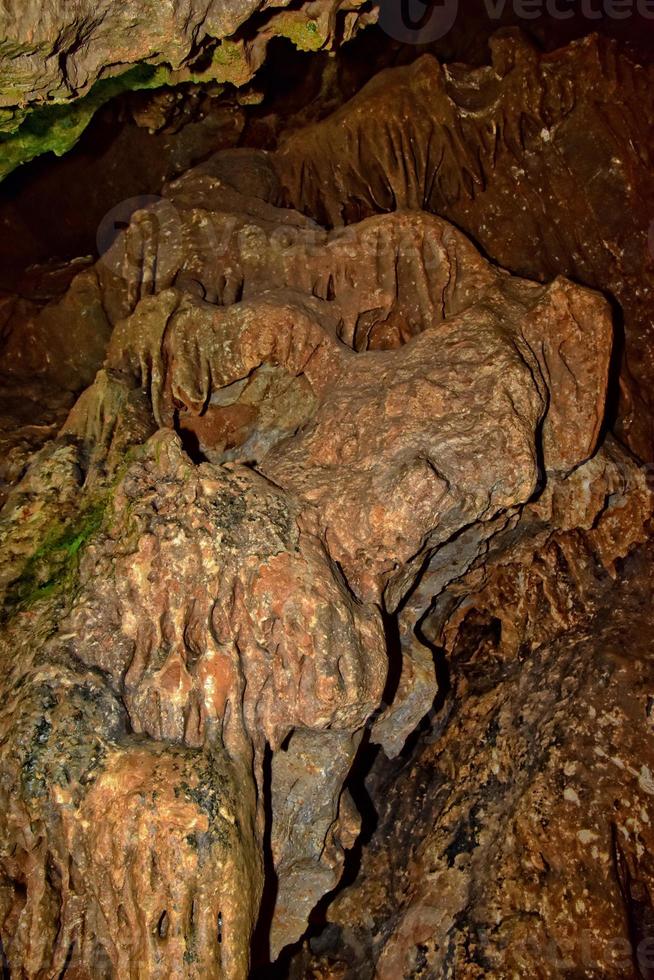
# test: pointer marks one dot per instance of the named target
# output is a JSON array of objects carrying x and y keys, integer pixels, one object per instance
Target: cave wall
[{"x": 325, "y": 517}]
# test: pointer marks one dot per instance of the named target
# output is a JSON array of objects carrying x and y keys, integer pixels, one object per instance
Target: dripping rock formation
[
  {"x": 326, "y": 566},
  {"x": 544, "y": 160}
]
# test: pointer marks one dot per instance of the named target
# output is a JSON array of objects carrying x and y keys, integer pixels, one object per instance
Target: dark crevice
[
  {"x": 616, "y": 366},
  {"x": 355, "y": 784},
  {"x": 162, "y": 925},
  {"x": 69, "y": 959},
  {"x": 394, "y": 653},
  {"x": 5, "y": 972},
  {"x": 191, "y": 443},
  {"x": 261, "y": 963}
]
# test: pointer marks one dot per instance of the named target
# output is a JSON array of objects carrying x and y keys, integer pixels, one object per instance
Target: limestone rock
[
  {"x": 300, "y": 440},
  {"x": 543, "y": 159}
]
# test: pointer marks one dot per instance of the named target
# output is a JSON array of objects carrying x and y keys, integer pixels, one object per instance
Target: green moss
[
  {"x": 57, "y": 127},
  {"x": 27, "y": 132},
  {"x": 303, "y": 33},
  {"x": 55, "y": 562},
  {"x": 228, "y": 65},
  {"x": 226, "y": 53}
]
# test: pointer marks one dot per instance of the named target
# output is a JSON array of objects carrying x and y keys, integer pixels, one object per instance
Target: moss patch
[
  {"x": 26, "y": 132},
  {"x": 56, "y": 128},
  {"x": 304, "y": 34},
  {"x": 55, "y": 562}
]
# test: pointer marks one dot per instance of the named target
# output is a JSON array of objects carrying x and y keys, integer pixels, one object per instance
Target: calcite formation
[
  {"x": 544, "y": 160},
  {"x": 300, "y": 488},
  {"x": 297, "y": 436}
]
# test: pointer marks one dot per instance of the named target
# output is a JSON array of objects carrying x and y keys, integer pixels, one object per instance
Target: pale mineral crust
[{"x": 332, "y": 484}]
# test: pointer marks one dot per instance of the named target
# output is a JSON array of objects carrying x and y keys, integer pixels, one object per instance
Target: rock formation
[
  {"x": 544, "y": 160},
  {"x": 526, "y": 849},
  {"x": 300, "y": 488},
  {"x": 60, "y": 62}
]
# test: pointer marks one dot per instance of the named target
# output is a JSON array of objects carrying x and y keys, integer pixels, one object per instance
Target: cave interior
[{"x": 326, "y": 490}]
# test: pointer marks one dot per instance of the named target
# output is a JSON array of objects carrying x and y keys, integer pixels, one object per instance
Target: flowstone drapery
[{"x": 298, "y": 436}]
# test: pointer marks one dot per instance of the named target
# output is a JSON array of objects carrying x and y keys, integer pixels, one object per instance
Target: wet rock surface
[{"x": 325, "y": 578}]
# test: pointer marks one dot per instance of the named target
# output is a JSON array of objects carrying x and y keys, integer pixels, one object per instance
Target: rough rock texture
[
  {"x": 545, "y": 160},
  {"x": 299, "y": 441},
  {"x": 527, "y": 848},
  {"x": 59, "y": 62},
  {"x": 286, "y": 489}
]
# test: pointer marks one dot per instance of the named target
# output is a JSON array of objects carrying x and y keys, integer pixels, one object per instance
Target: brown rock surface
[
  {"x": 544, "y": 160},
  {"x": 189, "y": 643},
  {"x": 398, "y": 275},
  {"x": 526, "y": 847},
  {"x": 311, "y": 458}
]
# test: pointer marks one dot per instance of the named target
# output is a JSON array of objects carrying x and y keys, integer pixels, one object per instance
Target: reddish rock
[
  {"x": 521, "y": 825},
  {"x": 310, "y": 456},
  {"x": 545, "y": 160}
]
